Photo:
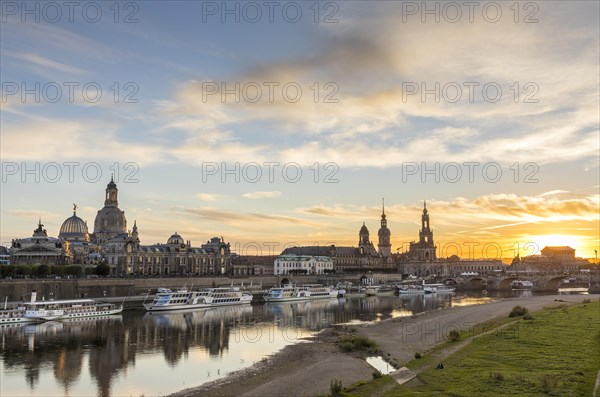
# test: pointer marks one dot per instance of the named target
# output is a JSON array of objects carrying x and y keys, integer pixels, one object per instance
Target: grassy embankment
[{"x": 555, "y": 353}]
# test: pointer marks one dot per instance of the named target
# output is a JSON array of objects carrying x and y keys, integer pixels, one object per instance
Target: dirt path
[{"x": 306, "y": 369}]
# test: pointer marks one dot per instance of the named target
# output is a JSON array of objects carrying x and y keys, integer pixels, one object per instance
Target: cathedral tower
[{"x": 385, "y": 247}]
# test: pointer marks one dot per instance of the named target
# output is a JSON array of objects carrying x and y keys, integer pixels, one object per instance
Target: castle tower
[{"x": 385, "y": 247}]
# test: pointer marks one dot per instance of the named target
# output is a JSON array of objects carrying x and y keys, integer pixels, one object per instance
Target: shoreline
[{"x": 306, "y": 368}]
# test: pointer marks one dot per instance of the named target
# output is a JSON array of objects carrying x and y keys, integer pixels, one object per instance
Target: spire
[
  {"x": 383, "y": 206},
  {"x": 74, "y": 209},
  {"x": 112, "y": 178}
]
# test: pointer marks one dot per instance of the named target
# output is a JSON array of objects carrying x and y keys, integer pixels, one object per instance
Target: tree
[
  {"x": 73, "y": 270},
  {"x": 7, "y": 271},
  {"x": 42, "y": 270},
  {"x": 103, "y": 269},
  {"x": 23, "y": 270}
]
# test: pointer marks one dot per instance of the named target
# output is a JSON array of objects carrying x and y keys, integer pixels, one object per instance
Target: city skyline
[{"x": 491, "y": 120}]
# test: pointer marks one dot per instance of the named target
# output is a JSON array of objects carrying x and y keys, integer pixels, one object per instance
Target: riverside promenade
[{"x": 308, "y": 368}]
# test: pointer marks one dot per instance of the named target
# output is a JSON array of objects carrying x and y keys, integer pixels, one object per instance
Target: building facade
[
  {"x": 112, "y": 244},
  {"x": 39, "y": 249},
  {"x": 302, "y": 264}
]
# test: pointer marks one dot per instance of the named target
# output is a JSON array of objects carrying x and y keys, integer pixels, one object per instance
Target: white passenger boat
[
  {"x": 14, "y": 316},
  {"x": 67, "y": 309},
  {"x": 521, "y": 284},
  {"x": 409, "y": 289},
  {"x": 437, "y": 289},
  {"x": 300, "y": 292},
  {"x": 182, "y": 299}
]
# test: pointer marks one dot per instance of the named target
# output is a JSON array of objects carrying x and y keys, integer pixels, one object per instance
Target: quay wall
[{"x": 17, "y": 290}]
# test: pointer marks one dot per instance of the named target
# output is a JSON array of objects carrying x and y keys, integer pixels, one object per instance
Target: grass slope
[{"x": 556, "y": 354}]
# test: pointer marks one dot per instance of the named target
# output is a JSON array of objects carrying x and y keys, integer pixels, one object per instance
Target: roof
[
  {"x": 558, "y": 248},
  {"x": 310, "y": 250}
]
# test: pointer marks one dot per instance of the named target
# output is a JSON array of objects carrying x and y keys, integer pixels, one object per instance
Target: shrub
[
  {"x": 336, "y": 388},
  {"x": 586, "y": 301},
  {"x": 417, "y": 355},
  {"x": 453, "y": 335},
  {"x": 357, "y": 342},
  {"x": 518, "y": 311},
  {"x": 528, "y": 316},
  {"x": 499, "y": 376},
  {"x": 377, "y": 374},
  {"x": 103, "y": 269}
]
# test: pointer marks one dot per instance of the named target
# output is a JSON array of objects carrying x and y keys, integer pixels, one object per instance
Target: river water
[{"x": 137, "y": 354}]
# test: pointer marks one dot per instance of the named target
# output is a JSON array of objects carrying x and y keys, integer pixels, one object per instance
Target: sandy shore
[{"x": 306, "y": 369}]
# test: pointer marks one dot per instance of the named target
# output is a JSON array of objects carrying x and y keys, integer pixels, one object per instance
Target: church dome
[
  {"x": 74, "y": 228},
  {"x": 175, "y": 239}
]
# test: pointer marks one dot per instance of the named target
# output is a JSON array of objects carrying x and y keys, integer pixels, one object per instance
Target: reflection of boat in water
[
  {"x": 183, "y": 299},
  {"x": 67, "y": 309},
  {"x": 373, "y": 290},
  {"x": 521, "y": 284},
  {"x": 183, "y": 318},
  {"x": 300, "y": 292},
  {"x": 300, "y": 307}
]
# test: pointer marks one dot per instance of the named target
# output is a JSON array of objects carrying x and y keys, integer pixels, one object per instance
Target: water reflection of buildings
[
  {"x": 57, "y": 345},
  {"x": 112, "y": 345},
  {"x": 210, "y": 329}
]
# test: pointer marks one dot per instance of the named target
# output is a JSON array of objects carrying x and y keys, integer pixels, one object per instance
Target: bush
[
  {"x": 336, "y": 388},
  {"x": 453, "y": 335},
  {"x": 356, "y": 342},
  {"x": 377, "y": 374},
  {"x": 102, "y": 269},
  {"x": 586, "y": 301},
  {"x": 528, "y": 316},
  {"x": 42, "y": 270},
  {"x": 518, "y": 311},
  {"x": 499, "y": 376},
  {"x": 417, "y": 355}
]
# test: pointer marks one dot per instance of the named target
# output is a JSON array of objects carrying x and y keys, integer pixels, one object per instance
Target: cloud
[
  {"x": 209, "y": 196},
  {"x": 261, "y": 195},
  {"x": 45, "y": 63}
]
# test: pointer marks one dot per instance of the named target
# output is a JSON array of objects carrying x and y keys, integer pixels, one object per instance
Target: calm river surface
[{"x": 155, "y": 354}]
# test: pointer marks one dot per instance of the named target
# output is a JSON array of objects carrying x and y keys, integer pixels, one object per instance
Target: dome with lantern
[
  {"x": 175, "y": 239},
  {"x": 74, "y": 228}
]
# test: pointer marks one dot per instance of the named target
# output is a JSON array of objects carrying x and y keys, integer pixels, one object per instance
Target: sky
[{"x": 276, "y": 124}]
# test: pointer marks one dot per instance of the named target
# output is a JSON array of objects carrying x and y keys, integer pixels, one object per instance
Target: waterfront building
[
  {"x": 302, "y": 264},
  {"x": 39, "y": 249},
  {"x": 112, "y": 244},
  {"x": 551, "y": 259},
  {"x": 252, "y": 265},
  {"x": 4, "y": 256}
]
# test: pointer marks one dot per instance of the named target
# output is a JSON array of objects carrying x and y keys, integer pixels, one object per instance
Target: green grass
[
  {"x": 369, "y": 388},
  {"x": 555, "y": 354}
]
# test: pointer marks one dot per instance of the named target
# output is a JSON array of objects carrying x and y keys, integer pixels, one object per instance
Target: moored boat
[
  {"x": 521, "y": 284},
  {"x": 300, "y": 292},
  {"x": 408, "y": 289},
  {"x": 14, "y": 316},
  {"x": 437, "y": 289},
  {"x": 67, "y": 309},
  {"x": 183, "y": 299}
]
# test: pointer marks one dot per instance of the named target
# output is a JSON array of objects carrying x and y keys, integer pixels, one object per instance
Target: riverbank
[{"x": 306, "y": 369}]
